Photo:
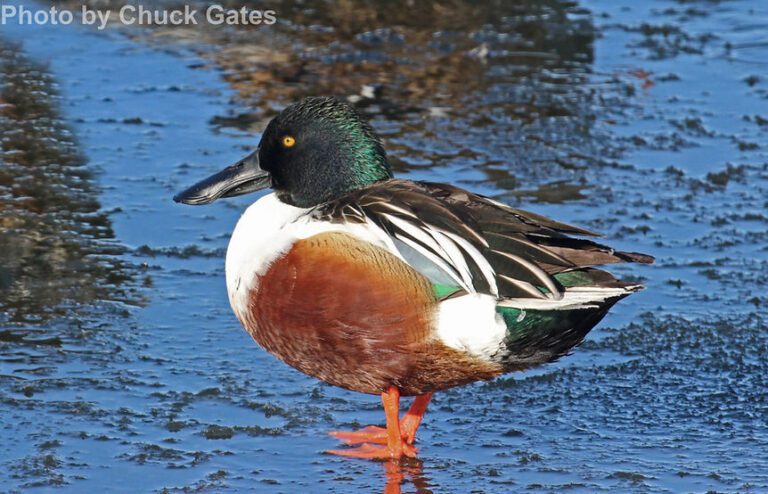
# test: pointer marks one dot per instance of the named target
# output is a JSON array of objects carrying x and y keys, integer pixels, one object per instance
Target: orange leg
[
  {"x": 408, "y": 426},
  {"x": 412, "y": 419},
  {"x": 395, "y": 446}
]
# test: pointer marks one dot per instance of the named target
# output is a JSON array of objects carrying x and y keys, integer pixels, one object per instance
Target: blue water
[{"x": 654, "y": 134}]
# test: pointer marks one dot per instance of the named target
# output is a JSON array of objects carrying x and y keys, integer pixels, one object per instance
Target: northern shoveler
[{"x": 395, "y": 287}]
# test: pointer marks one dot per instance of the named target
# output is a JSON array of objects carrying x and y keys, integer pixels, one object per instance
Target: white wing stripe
[
  {"x": 392, "y": 207},
  {"x": 575, "y": 298},
  {"x": 482, "y": 262},
  {"x": 415, "y": 232},
  {"x": 555, "y": 293},
  {"x": 453, "y": 254},
  {"x": 525, "y": 286},
  {"x": 439, "y": 262}
]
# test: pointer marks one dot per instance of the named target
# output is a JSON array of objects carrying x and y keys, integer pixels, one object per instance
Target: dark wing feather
[
  {"x": 497, "y": 216},
  {"x": 487, "y": 246},
  {"x": 498, "y": 220},
  {"x": 512, "y": 242}
]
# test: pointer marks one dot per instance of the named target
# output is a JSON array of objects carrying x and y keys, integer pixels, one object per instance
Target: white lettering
[
  {"x": 214, "y": 15},
  {"x": 42, "y": 17},
  {"x": 25, "y": 16},
  {"x": 217, "y": 15},
  {"x": 132, "y": 14},
  {"x": 145, "y": 16},
  {"x": 88, "y": 16},
  {"x": 7, "y": 12},
  {"x": 190, "y": 16},
  {"x": 66, "y": 17},
  {"x": 53, "y": 15},
  {"x": 254, "y": 16},
  {"x": 103, "y": 19},
  {"x": 127, "y": 14}
]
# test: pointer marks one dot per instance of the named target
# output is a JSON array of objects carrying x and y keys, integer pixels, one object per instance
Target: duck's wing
[{"x": 479, "y": 244}]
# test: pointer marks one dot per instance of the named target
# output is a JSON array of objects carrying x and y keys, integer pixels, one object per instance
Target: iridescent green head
[
  {"x": 321, "y": 149},
  {"x": 314, "y": 151}
]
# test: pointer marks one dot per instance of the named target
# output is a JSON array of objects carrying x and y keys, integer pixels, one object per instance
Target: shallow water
[{"x": 120, "y": 359}]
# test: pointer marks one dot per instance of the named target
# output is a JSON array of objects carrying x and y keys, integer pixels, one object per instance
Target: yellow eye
[{"x": 289, "y": 141}]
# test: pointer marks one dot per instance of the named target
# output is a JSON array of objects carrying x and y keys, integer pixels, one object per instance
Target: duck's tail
[{"x": 540, "y": 331}]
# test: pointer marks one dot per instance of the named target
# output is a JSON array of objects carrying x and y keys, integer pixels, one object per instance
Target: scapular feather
[{"x": 483, "y": 245}]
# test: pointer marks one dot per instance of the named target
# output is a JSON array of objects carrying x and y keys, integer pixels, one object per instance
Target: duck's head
[{"x": 314, "y": 151}]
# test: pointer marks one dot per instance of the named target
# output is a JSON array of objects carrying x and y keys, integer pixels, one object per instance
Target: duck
[{"x": 394, "y": 287}]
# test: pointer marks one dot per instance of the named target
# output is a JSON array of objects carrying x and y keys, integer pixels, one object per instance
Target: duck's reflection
[
  {"x": 500, "y": 86},
  {"x": 407, "y": 470},
  {"x": 398, "y": 56}
]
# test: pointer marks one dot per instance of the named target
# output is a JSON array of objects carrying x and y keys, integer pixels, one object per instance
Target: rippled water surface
[{"x": 122, "y": 368}]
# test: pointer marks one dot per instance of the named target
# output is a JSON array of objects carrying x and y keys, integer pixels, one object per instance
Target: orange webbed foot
[
  {"x": 395, "y": 441},
  {"x": 369, "y": 434},
  {"x": 376, "y": 452}
]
